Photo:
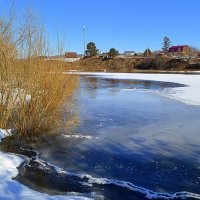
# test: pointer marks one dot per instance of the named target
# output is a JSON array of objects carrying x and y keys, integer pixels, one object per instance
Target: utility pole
[{"x": 84, "y": 41}]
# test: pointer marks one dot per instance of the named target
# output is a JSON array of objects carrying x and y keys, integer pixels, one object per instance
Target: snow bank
[
  {"x": 189, "y": 94},
  {"x": 13, "y": 190},
  {"x": 14, "y": 97},
  {"x": 4, "y": 133}
]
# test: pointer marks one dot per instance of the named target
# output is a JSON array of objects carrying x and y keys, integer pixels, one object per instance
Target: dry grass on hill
[
  {"x": 131, "y": 64},
  {"x": 97, "y": 64}
]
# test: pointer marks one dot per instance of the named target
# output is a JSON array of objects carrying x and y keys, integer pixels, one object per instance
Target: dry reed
[{"x": 32, "y": 90}]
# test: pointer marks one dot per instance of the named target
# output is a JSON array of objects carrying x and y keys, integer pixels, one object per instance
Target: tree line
[{"x": 92, "y": 50}]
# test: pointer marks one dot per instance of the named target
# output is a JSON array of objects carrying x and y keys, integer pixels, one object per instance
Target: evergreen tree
[
  {"x": 91, "y": 49},
  {"x": 113, "y": 52}
]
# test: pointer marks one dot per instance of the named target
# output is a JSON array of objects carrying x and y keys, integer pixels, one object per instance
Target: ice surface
[
  {"x": 90, "y": 180},
  {"x": 189, "y": 94}
]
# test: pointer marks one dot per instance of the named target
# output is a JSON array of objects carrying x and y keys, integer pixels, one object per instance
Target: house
[
  {"x": 182, "y": 50},
  {"x": 129, "y": 53},
  {"x": 71, "y": 55},
  {"x": 67, "y": 57},
  {"x": 160, "y": 54}
]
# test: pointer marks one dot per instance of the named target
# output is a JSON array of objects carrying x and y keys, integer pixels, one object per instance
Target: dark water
[{"x": 129, "y": 135}]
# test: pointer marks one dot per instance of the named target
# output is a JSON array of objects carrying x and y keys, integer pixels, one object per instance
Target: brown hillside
[{"x": 131, "y": 64}]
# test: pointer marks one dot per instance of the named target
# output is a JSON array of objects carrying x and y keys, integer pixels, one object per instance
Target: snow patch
[
  {"x": 4, "y": 133},
  {"x": 15, "y": 97},
  {"x": 79, "y": 136}
]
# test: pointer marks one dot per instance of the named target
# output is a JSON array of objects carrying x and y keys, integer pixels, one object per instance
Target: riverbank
[{"x": 134, "y": 64}]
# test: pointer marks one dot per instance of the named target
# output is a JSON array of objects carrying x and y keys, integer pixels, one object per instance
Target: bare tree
[{"x": 166, "y": 44}]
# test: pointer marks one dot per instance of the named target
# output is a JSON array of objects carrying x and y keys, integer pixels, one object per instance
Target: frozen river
[{"x": 130, "y": 143}]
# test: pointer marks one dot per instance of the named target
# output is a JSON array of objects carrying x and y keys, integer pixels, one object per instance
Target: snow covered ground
[
  {"x": 13, "y": 190},
  {"x": 189, "y": 94}
]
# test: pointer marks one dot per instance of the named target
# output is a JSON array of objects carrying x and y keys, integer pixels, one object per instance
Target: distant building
[
  {"x": 71, "y": 55},
  {"x": 129, "y": 53},
  {"x": 161, "y": 55},
  {"x": 182, "y": 50},
  {"x": 67, "y": 57}
]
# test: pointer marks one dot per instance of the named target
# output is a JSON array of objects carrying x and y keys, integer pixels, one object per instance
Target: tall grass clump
[{"x": 32, "y": 90}]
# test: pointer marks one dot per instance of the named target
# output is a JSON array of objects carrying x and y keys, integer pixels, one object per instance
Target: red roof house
[
  {"x": 71, "y": 55},
  {"x": 182, "y": 50}
]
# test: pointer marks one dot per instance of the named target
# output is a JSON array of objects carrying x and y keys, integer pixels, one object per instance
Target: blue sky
[{"x": 122, "y": 24}]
